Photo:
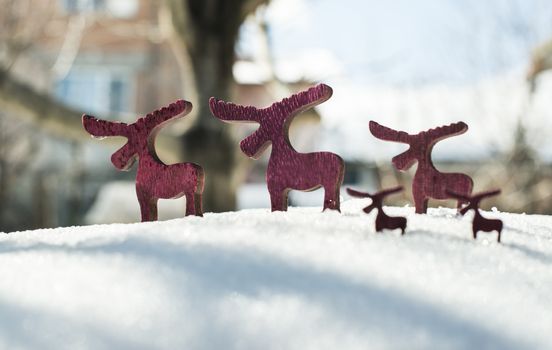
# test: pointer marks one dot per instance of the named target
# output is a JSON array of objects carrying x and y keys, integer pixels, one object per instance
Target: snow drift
[{"x": 297, "y": 280}]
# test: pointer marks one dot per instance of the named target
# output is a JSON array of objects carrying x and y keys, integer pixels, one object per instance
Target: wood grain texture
[
  {"x": 383, "y": 221},
  {"x": 479, "y": 222},
  {"x": 428, "y": 181},
  {"x": 154, "y": 179},
  {"x": 287, "y": 169}
]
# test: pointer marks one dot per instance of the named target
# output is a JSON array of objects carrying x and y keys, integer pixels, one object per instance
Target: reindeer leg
[
  {"x": 153, "y": 209},
  {"x": 198, "y": 203},
  {"x": 193, "y": 204},
  {"x": 278, "y": 199},
  {"x": 421, "y": 204},
  {"x": 148, "y": 206},
  {"x": 190, "y": 205},
  {"x": 403, "y": 226},
  {"x": 331, "y": 198},
  {"x": 144, "y": 209}
]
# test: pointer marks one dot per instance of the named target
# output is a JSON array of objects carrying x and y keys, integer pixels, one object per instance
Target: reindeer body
[
  {"x": 479, "y": 222},
  {"x": 324, "y": 169},
  {"x": 287, "y": 169},
  {"x": 154, "y": 179},
  {"x": 428, "y": 182},
  {"x": 160, "y": 181},
  {"x": 483, "y": 224},
  {"x": 383, "y": 221}
]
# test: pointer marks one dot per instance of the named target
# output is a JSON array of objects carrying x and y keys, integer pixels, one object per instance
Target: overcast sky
[
  {"x": 415, "y": 65},
  {"x": 404, "y": 42}
]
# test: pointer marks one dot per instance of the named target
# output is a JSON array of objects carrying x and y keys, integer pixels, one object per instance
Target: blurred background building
[{"x": 408, "y": 66}]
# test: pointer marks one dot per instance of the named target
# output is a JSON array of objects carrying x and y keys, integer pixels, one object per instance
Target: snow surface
[{"x": 297, "y": 280}]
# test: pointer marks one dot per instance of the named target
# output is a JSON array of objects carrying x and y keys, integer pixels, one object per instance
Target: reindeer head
[
  {"x": 404, "y": 160},
  {"x": 473, "y": 200},
  {"x": 274, "y": 121},
  {"x": 140, "y": 134},
  {"x": 377, "y": 198},
  {"x": 124, "y": 158},
  {"x": 254, "y": 144},
  {"x": 420, "y": 144}
]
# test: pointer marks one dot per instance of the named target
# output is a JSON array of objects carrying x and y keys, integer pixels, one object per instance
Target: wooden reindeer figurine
[
  {"x": 428, "y": 181},
  {"x": 479, "y": 222},
  {"x": 383, "y": 221},
  {"x": 154, "y": 179},
  {"x": 287, "y": 169}
]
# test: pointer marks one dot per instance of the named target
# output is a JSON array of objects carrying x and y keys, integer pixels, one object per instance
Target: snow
[{"x": 298, "y": 280}]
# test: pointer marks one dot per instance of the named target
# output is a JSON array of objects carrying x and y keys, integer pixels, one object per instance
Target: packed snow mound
[{"x": 297, "y": 280}]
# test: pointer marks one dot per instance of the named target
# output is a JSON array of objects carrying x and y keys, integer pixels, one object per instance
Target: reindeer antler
[
  {"x": 388, "y": 134},
  {"x": 479, "y": 196},
  {"x": 384, "y": 193},
  {"x": 303, "y": 100},
  {"x": 475, "y": 197},
  {"x": 165, "y": 114},
  {"x": 443, "y": 132},
  {"x": 472, "y": 200},
  {"x": 100, "y": 128},
  {"x": 230, "y": 112},
  {"x": 292, "y": 105},
  {"x": 358, "y": 194}
]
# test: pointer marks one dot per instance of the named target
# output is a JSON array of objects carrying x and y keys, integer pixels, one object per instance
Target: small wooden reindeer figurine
[
  {"x": 383, "y": 221},
  {"x": 154, "y": 179},
  {"x": 428, "y": 181},
  {"x": 287, "y": 169},
  {"x": 479, "y": 222}
]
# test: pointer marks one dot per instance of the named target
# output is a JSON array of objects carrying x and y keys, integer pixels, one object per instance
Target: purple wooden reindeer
[
  {"x": 428, "y": 181},
  {"x": 154, "y": 179},
  {"x": 287, "y": 169},
  {"x": 479, "y": 222},
  {"x": 383, "y": 221}
]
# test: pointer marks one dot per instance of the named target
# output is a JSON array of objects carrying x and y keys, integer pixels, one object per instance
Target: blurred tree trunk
[{"x": 207, "y": 30}]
